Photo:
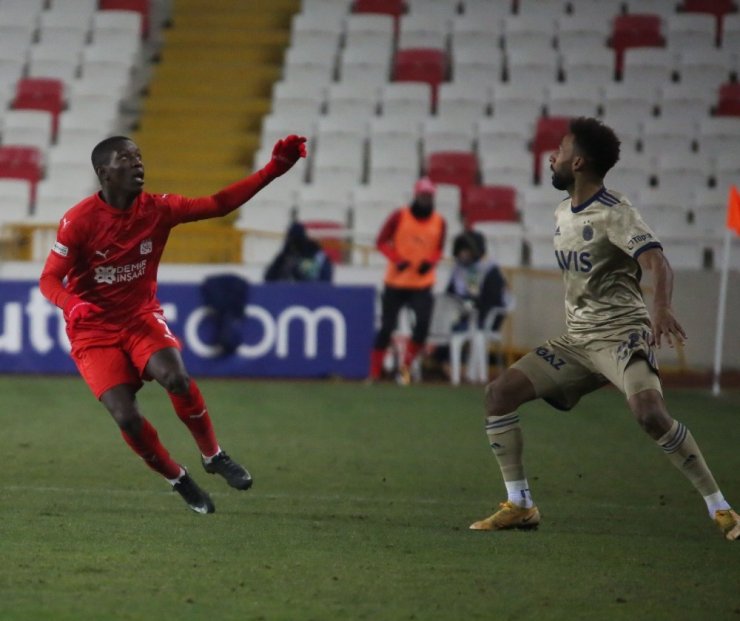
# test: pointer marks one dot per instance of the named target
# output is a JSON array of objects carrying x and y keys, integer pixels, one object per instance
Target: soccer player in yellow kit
[{"x": 602, "y": 247}]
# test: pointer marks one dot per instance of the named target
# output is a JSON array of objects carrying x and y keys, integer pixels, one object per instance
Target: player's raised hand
[
  {"x": 76, "y": 310},
  {"x": 666, "y": 327},
  {"x": 286, "y": 152}
]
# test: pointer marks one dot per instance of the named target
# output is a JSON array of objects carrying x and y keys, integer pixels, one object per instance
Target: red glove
[
  {"x": 76, "y": 310},
  {"x": 286, "y": 152}
]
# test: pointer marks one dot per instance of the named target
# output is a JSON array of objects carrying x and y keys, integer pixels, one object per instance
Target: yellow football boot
[
  {"x": 729, "y": 523},
  {"x": 509, "y": 515}
]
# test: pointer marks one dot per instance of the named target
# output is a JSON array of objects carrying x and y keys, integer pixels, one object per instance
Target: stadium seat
[
  {"x": 394, "y": 8},
  {"x": 447, "y": 133},
  {"x": 486, "y": 11},
  {"x": 728, "y": 103},
  {"x": 726, "y": 169},
  {"x": 706, "y": 69},
  {"x": 363, "y": 28},
  {"x": 548, "y": 134},
  {"x": 421, "y": 65},
  {"x": 356, "y": 103},
  {"x": 596, "y": 10},
  {"x": 477, "y": 64},
  {"x": 567, "y": 99},
  {"x": 532, "y": 66},
  {"x": 504, "y": 241},
  {"x": 394, "y": 144},
  {"x": 40, "y": 94},
  {"x": 532, "y": 31},
  {"x": 471, "y": 33},
  {"x": 683, "y": 101},
  {"x": 634, "y": 30},
  {"x": 423, "y": 31},
  {"x": 15, "y": 42},
  {"x": 410, "y": 101},
  {"x": 21, "y": 13},
  {"x": 445, "y": 9},
  {"x": 574, "y": 33},
  {"x": 633, "y": 173},
  {"x": 645, "y": 69},
  {"x": 718, "y": 8},
  {"x": 360, "y": 66},
  {"x": 510, "y": 166},
  {"x": 467, "y": 101},
  {"x": 323, "y": 201},
  {"x": 667, "y": 134},
  {"x": 21, "y": 162},
  {"x": 687, "y": 31},
  {"x": 138, "y": 6},
  {"x": 622, "y": 99},
  {"x": 74, "y": 14},
  {"x": 590, "y": 71},
  {"x": 683, "y": 172},
  {"x": 552, "y": 9},
  {"x": 498, "y": 137},
  {"x": 490, "y": 203},
  {"x": 15, "y": 200},
  {"x": 654, "y": 7},
  {"x": 719, "y": 135},
  {"x": 458, "y": 168},
  {"x": 520, "y": 103}
]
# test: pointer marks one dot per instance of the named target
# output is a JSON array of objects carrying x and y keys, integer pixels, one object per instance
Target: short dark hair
[
  {"x": 102, "y": 151},
  {"x": 597, "y": 142}
]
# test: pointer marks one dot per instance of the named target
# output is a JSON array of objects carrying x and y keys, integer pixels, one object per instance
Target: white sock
[
  {"x": 179, "y": 476},
  {"x": 518, "y": 492},
  {"x": 716, "y": 502},
  {"x": 208, "y": 460}
]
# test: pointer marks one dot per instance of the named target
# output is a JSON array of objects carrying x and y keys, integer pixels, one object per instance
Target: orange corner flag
[{"x": 733, "y": 210}]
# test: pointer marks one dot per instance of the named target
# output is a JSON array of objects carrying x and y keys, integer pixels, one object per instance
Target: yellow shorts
[{"x": 564, "y": 369}]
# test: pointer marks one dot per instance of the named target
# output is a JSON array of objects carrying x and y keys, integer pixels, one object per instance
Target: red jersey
[{"x": 110, "y": 256}]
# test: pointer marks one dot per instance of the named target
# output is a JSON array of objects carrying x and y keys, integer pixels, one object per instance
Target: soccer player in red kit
[{"x": 108, "y": 248}]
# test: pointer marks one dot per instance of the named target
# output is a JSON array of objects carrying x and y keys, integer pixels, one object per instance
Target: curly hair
[{"x": 597, "y": 143}]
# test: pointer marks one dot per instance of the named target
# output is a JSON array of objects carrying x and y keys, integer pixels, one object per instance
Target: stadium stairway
[{"x": 200, "y": 120}]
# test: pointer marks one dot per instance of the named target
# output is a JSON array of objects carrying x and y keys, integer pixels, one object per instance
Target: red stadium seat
[
  {"x": 547, "y": 137},
  {"x": 141, "y": 6},
  {"x": 385, "y": 7},
  {"x": 729, "y": 100},
  {"x": 458, "y": 168},
  {"x": 18, "y": 162},
  {"x": 40, "y": 94},
  {"x": 421, "y": 65},
  {"x": 329, "y": 235},
  {"x": 634, "y": 30},
  {"x": 490, "y": 203},
  {"x": 718, "y": 8}
]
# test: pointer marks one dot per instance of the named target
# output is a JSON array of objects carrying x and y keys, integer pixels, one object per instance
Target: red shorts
[{"x": 108, "y": 357}]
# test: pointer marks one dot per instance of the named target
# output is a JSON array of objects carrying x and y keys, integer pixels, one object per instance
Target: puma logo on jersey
[
  {"x": 102, "y": 253},
  {"x": 574, "y": 260},
  {"x": 65, "y": 222}
]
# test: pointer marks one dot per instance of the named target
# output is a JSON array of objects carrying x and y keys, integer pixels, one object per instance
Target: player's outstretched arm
[
  {"x": 665, "y": 324},
  {"x": 286, "y": 152}
]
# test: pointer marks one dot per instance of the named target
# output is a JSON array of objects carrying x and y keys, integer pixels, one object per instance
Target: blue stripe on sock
[
  {"x": 502, "y": 421},
  {"x": 672, "y": 445}
]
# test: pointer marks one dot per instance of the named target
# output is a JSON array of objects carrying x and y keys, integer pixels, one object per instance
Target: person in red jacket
[
  {"x": 108, "y": 248},
  {"x": 412, "y": 238}
]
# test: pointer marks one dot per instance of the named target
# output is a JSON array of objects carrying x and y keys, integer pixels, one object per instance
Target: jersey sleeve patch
[{"x": 60, "y": 249}]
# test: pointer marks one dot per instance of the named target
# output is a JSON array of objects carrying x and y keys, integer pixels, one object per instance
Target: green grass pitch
[{"x": 360, "y": 510}]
